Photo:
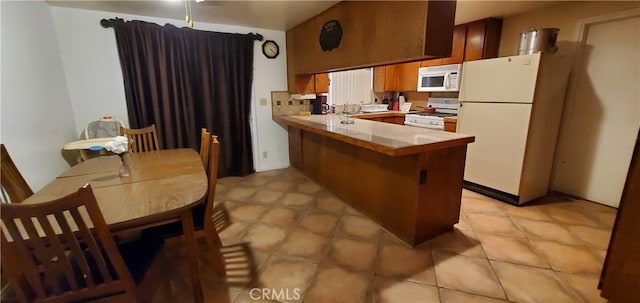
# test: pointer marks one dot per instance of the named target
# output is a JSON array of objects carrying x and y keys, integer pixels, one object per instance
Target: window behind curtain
[{"x": 352, "y": 86}]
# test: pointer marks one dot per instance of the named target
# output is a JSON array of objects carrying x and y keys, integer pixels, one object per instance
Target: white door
[
  {"x": 601, "y": 123},
  {"x": 495, "y": 159},
  {"x": 507, "y": 79}
]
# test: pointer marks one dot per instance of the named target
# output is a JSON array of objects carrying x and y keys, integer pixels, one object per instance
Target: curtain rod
[{"x": 106, "y": 23}]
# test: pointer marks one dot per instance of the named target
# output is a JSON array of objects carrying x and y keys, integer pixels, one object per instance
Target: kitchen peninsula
[{"x": 407, "y": 179}]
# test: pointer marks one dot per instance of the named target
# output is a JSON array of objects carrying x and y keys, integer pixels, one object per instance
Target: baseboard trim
[{"x": 493, "y": 193}]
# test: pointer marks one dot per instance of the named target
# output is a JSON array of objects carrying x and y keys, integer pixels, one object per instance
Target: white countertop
[{"x": 391, "y": 139}]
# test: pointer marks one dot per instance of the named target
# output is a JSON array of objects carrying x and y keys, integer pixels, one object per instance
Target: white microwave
[{"x": 443, "y": 78}]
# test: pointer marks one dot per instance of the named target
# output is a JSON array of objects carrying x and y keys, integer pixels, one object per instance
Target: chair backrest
[
  {"x": 141, "y": 139},
  {"x": 12, "y": 181},
  {"x": 214, "y": 160},
  {"x": 205, "y": 143},
  {"x": 56, "y": 256}
]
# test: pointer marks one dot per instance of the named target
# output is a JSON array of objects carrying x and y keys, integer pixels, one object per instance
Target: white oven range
[{"x": 444, "y": 107}]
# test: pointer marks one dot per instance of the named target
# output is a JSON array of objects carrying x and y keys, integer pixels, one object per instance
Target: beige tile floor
[{"x": 282, "y": 231}]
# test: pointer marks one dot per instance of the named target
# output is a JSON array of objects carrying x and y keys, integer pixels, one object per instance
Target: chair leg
[{"x": 213, "y": 237}]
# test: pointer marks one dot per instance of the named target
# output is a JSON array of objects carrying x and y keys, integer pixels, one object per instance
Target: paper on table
[{"x": 405, "y": 107}]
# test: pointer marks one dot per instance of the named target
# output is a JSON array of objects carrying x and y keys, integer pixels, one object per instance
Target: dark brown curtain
[{"x": 183, "y": 80}]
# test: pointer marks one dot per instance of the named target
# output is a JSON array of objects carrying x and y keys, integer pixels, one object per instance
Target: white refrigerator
[{"x": 513, "y": 106}]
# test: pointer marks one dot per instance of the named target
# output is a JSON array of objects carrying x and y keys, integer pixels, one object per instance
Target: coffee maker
[{"x": 319, "y": 105}]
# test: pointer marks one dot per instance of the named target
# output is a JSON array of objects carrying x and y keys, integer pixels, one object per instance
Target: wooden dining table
[{"x": 163, "y": 186}]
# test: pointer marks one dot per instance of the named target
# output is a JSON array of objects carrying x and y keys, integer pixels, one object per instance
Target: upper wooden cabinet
[
  {"x": 457, "y": 49},
  {"x": 472, "y": 41},
  {"x": 309, "y": 84},
  {"x": 407, "y": 76},
  {"x": 321, "y": 83},
  {"x": 396, "y": 77},
  {"x": 482, "y": 39},
  {"x": 384, "y": 78},
  {"x": 373, "y": 33},
  {"x": 303, "y": 84}
]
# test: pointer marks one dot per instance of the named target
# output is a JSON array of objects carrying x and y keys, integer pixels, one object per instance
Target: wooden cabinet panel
[
  {"x": 374, "y": 33},
  {"x": 407, "y": 76},
  {"x": 457, "y": 49},
  {"x": 450, "y": 127},
  {"x": 471, "y": 41},
  {"x": 475, "y": 41},
  {"x": 303, "y": 84},
  {"x": 379, "y": 78},
  {"x": 322, "y": 83},
  {"x": 432, "y": 62},
  {"x": 295, "y": 147},
  {"x": 620, "y": 279},
  {"x": 482, "y": 39},
  {"x": 395, "y": 120},
  {"x": 457, "y": 46},
  {"x": 390, "y": 78},
  {"x": 385, "y": 78},
  {"x": 391, "y": 118}
]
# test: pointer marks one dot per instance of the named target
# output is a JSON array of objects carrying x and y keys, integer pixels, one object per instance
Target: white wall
[
  {"x": 36, "y": 115},
  {"x": 91, "y": 64}
]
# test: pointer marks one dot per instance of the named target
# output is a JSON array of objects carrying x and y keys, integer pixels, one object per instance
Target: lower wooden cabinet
[
  {"x": 620, "y": 278},
  {"x": 393, "y": 118},
  {"x": 450, "y": 124}
]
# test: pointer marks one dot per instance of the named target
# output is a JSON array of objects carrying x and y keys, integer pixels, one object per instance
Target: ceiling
[{"x": 278, "y": 15}]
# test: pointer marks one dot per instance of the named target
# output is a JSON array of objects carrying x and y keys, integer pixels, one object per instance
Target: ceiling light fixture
[{"x": 187, "y": 9}]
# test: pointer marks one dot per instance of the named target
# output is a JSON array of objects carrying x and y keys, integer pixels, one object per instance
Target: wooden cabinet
[
  {"x": 321, "y": 83},
  {"x": 450, "y": 125},
  {"x": 310, "y": 84},
  {"x": 407, "y": 75},
  {"x": 471, "y": 41},
  {"x": 373, "y": 33},
  {"x": 620, "y": 278},
  {"x": 482, "y": 39},
  {"x": 457, "y": 49},
  {"x": 379, "y": 74},
  {"x": 393, "y": 118},
  {"x": 302, "y": 84},
  {"x": 397, "y": 77}
]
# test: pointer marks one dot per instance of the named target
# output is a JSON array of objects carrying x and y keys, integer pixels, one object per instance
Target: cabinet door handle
[{"x": 422, "y": 179}]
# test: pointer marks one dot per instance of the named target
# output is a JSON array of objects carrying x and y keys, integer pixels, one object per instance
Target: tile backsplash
[{"x": 283, "y": 105}]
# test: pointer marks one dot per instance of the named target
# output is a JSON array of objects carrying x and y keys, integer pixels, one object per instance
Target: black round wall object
[{"x": 330, "y": 35}]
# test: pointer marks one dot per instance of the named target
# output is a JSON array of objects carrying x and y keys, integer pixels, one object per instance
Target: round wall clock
[{"x": 270, "y": 49}]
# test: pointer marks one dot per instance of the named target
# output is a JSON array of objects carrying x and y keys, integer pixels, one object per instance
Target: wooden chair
[
  {"x": 12, "y": 181},
  {"x": 202, "y": 214},
  {"x": 61, "y": 259},
  {"x": 205, "y": 143},
  {"x": 142, "y": 139}
]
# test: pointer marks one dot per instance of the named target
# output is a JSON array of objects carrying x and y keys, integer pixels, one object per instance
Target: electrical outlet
[
  {"x": 263, "y": 101},
  {"x": 265, "y": 154}
]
